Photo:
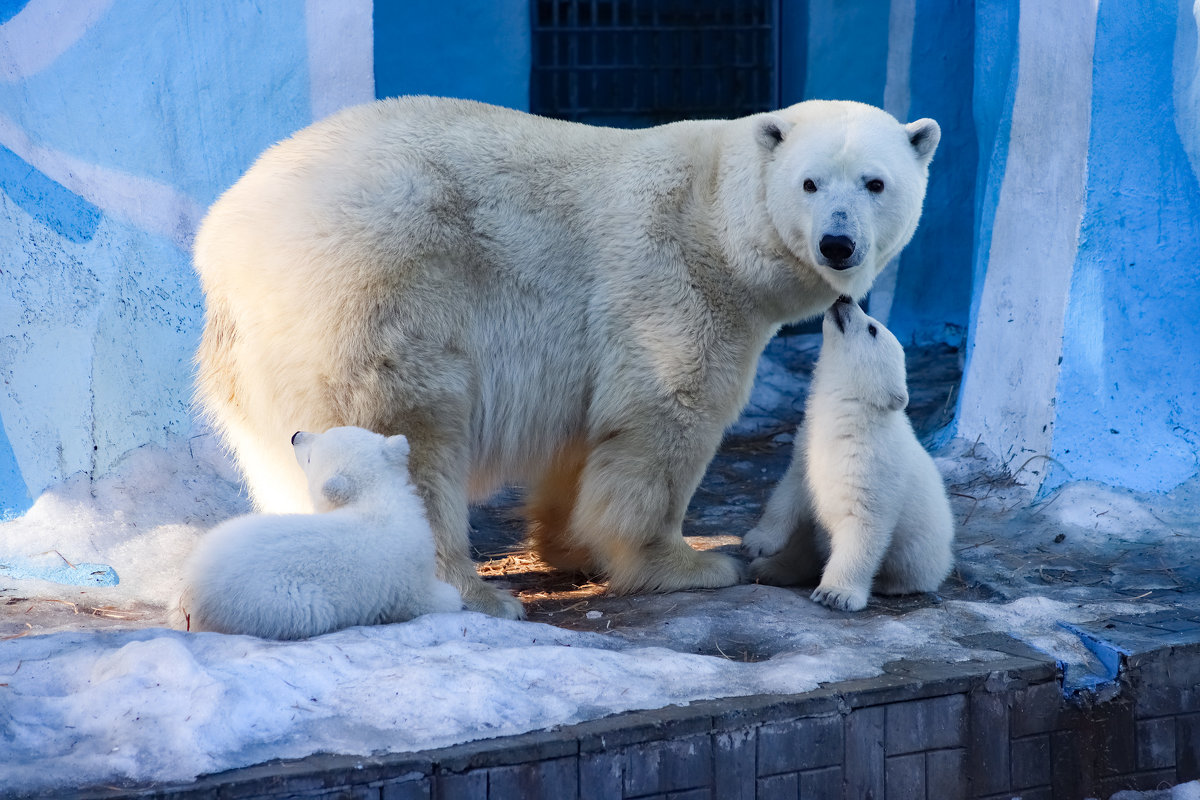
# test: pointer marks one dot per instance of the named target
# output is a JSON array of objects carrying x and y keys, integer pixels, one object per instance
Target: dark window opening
[{"x": 633, "y": 63}]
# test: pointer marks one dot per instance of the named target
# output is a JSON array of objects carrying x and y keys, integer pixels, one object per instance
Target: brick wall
[{"x": 999, "y": 728}]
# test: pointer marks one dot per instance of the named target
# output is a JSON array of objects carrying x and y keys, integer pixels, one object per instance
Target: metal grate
[{"x": 644, "y": 62}]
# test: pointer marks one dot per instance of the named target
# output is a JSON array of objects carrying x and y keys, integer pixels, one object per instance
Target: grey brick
[
  {"x": 601, "y": 776},
  {"x": 1068, "y": 775},
  {"x": 469, "y": 786},
  {"x": 1118, "y": 748},
  {"x": 556, "y": 779},
  {"x": 988, "y": 744},
  {"x": 864, "y": 779},
  {"x": 779, "y": 787},
  {"x": 946, "y": 774},
  {"x": 800, "y": 744},
  {"x": 669, "y": 766},
  {"x": 691, "y": 794},
  {"x": 936, "y": 723},
  {"x": 905, "y": 777},
  {"x": 1036, "y": 710},
  {"x": 1156, "y": 743},
  {"x": 820, "y": 784},
  {"x": 411, "y": 789},
  {"x": 1187, "y": 747},
  {"x": 734, "y": 765},
  {"x": 1031, "y": 761}
]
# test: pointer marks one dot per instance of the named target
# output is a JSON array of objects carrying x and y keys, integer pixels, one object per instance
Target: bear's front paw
[
  {"x": 840, "y": 599},
  {"x": 761, "y": 541}
]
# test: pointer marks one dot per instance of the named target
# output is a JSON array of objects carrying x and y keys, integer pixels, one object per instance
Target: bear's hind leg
[
  {"x": 548, "y": 509},
  {"x": 788, "y": 520},
  {"x": 634, "y": 491}
]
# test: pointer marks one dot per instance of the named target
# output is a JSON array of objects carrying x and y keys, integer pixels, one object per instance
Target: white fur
[
  {"x": 859, "y": 477},
  {"x": 571, "y": 308},
  {"x": 366, "y": 557}
]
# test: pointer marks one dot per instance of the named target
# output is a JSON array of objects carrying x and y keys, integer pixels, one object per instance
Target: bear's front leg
[
  {"x": 858, "y": 545},
  {"x": 438, "y": 465},
  {"x": 634, "y": 491}
]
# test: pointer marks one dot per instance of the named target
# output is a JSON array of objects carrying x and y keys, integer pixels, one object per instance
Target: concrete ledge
[{"x": 979, "y": 729}]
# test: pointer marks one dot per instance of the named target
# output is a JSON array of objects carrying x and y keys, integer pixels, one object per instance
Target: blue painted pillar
[{"x": 1082, "y": 362}]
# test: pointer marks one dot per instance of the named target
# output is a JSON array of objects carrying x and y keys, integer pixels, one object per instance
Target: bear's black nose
[{"x": 837, "y": 248}]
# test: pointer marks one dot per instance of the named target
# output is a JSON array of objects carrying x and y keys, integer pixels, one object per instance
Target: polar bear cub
[
  {"x": 861, "y": 494},
  {"x": 366, "y": 556}
]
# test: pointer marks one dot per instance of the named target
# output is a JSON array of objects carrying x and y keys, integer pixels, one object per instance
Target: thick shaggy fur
[
  {"x": 575, "y": 309},
  {"x": 862, "y": 497},
  {"x": 366, "y": 557}
]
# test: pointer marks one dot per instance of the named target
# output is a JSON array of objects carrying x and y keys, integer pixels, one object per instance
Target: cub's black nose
[{"x": 837, "y": 248}]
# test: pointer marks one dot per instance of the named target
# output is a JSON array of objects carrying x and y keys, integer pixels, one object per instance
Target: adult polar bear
[{"x": 575, "y": 309}]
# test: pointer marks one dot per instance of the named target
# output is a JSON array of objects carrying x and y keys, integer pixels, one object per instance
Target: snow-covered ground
[{"x": 94, "y": 690}]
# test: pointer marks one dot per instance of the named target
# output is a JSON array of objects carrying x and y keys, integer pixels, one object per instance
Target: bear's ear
[
  {"x": 923, "y": 135},
  {"x": 338, "y": 490},
  {"x": 771, "y": 130},
  {"x": 395, "y": 449}
]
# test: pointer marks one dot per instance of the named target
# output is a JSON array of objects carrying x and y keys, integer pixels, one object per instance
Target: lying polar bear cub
[
  {"x": 366, "y": 557},
  {"x": 859, "y": 477}
]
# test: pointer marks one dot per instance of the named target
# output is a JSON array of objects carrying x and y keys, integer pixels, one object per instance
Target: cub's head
[
  {"x": 343, "y": 464},
  {"x": 845, "y": 183},
  {"x": 862, "y": 357}
]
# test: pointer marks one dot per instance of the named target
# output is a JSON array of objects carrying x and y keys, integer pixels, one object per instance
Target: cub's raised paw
[
  {"x": 840, "y": 599},
  {"x": 760, "y": 542}
]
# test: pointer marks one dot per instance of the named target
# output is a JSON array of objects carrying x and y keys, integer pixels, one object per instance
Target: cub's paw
[
  {"x": 840, "y": 599},
  {"x": 774, "y": 571},
  {"x": 760, "y": 541}
]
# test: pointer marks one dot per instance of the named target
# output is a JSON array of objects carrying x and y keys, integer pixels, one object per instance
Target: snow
[{"x": 94, "y": 689}]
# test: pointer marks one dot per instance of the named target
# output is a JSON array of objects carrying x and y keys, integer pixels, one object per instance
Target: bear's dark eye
[
  {"x": 871, "y": 329},
  {"x": 875, "y": 186},
  {"x": 809, "y": 186}
]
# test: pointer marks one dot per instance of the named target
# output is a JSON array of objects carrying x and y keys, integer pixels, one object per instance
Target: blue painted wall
[
  {"x": 1130, "y": 383},
  {"x": 454, "y": 48},
  {"x": 121, "y": 122},
  {"x": 933, "y": 288}
]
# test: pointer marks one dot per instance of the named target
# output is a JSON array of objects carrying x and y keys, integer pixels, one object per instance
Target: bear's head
[
  {"x": 863, "y": 358},
  {"x": 344, "y": 464},
  {"x": 845, "y": 183}
]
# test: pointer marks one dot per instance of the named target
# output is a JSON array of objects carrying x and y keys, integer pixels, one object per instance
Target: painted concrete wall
[
  {"x": 477, "y": 49},
  {"x": 119, "y": 124},
  {"x": 1060, "y": 232},
  {"x": 1082, "y": 360}
]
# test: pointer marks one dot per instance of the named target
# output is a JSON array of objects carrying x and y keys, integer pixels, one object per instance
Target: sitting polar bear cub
[
  {"x": 366, "y": 557},
  {"x": 573, "y": 309},
  {"x": 859, "y": 476}
]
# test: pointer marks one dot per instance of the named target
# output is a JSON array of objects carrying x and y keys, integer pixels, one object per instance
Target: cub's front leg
[{"x": 858, "y": 544}]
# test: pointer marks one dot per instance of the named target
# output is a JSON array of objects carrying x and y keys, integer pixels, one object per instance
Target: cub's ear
[
  {"x": 395, "y": 449},
  {"x": 923, "y": 135},
  {"x": 771, "y": 130},
  {"x": 338, "y": 490},
  {"x": 897, "y": 401}
]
